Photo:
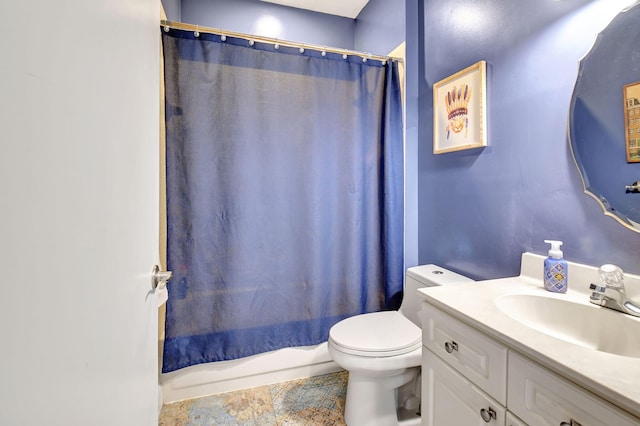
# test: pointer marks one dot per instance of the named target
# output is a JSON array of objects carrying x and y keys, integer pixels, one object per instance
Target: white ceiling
[{"x": 346, "y": 8}]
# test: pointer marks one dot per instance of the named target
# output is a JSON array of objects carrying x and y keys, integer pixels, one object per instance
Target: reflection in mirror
[{"x": 599, "y": 135}]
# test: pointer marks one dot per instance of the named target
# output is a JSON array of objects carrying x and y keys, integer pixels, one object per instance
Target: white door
[{"x": 79, "y": 212}]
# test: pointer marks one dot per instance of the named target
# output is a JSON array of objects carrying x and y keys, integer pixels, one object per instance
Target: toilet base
[
  {"x": 406, "y": 418},
  {"x": 372, "y": 401}
]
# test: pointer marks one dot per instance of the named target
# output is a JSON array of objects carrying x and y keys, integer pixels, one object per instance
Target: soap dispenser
[{"x": 555, "y": 269}]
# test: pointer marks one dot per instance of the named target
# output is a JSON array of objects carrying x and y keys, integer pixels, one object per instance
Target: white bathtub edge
[{"x": 259, "y": 370}]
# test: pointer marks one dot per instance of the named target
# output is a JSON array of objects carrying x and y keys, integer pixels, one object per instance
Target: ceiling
[{"x": 346, "y": 8}]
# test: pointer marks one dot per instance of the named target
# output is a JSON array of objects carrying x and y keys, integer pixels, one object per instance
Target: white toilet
[{"x": 382, "y": 351}]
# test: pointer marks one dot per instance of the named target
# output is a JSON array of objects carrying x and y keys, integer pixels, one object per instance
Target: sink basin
[{"x": 586, "y": 325}]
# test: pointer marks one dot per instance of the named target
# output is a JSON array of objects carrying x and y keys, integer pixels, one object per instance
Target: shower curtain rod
[{"x": 199, "y": 29}]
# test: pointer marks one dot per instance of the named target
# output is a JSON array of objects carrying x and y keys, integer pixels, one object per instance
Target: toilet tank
[{"x": 425, "y": 276}]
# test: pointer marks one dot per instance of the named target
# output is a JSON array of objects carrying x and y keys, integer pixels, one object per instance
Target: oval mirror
[{"x": 602, "y": 135}]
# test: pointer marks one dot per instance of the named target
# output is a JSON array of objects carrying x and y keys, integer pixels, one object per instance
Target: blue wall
[
  {"x": 172, "y": 8},
  {"x": 480, "y": 209},
  {"x": 259, "y": 18},
  {"x": 380, "y": 27}
]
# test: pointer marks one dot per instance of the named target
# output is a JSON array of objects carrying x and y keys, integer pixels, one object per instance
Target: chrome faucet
[
  {"x": 611, "y": 293},
  {"x": 634, "y": 187}
]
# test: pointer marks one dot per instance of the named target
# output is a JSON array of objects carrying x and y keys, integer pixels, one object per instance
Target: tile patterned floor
[{"x": 314, "y": 401}]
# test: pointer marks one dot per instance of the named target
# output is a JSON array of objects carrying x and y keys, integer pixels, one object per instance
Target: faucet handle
[
  {"x": 597, "y": 288},
  {"x": 611, "y": 276}
]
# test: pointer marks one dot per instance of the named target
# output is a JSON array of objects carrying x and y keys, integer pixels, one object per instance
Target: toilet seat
[{"x": 378, "y": 334}]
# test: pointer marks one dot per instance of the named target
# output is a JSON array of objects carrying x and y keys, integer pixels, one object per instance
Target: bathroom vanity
[{"x": 507, "y": 352}]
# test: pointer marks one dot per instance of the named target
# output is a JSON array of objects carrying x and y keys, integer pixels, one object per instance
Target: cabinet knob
[
  {"x": 488, "y": 414},
  {"x": 450, "y": 346}
]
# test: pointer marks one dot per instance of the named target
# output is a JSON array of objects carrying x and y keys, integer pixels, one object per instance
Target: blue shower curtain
[{"x": 284, "y": 195}]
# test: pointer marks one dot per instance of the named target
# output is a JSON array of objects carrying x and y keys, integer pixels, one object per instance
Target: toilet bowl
[{"x": 382, "y": 351}]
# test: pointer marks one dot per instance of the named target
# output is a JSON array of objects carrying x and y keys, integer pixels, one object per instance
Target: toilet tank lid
[{"x": 434, "y": 275}]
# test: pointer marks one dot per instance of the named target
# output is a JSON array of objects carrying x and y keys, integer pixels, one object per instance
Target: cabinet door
[
  {"x": 472, "y": 353},
  {"x": 513, "y": 420},
  {"x": 540, "y": 397},
  {"x": 450, "y": 399}
]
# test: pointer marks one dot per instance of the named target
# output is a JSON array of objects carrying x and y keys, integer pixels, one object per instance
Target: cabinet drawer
[
  {"x": 475, "y": 355},
  {"x": 540, "y": 397},
  {"x": 450, "y": 399}
]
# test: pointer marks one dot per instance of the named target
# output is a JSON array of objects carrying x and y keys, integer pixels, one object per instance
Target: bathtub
[{"x": 258, "y": 370}]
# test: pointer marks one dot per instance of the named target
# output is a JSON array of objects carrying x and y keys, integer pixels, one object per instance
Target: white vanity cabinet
[{"x": 469, "y": 378}]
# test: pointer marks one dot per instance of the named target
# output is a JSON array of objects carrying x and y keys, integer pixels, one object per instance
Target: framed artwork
[
  {"x": 632, "y": 121},
  {"x": 460, "y": 110}
]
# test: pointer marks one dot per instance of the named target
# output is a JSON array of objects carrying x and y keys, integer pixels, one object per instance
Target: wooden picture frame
[
  {"x": 631, "y": 95},
  {"x": 460, "y": 110}
]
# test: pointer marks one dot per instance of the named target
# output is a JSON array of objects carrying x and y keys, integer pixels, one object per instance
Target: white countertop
[{"x": 614, "y": 378}]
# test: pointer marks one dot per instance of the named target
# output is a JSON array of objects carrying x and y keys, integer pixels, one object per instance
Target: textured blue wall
[
  {"x": 480, "y": 209},
  {"x": 256, "y": 17}
]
